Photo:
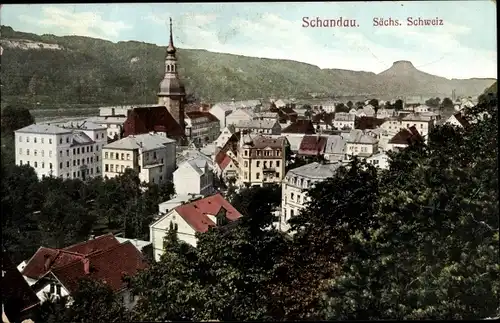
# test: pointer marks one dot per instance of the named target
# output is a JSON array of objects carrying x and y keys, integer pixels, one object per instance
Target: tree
[
  {"x": 374, "y": 103},
  {"x": 447, "y": 104},
  {"x": 177, "y": 296},
  {"x": 398, "y": 105},
  {"x": 14, "y": 118},
  {"x": 433, "y": 102},
  {"x": 438, "y": 207},
  {"x": 350, "y": 105},
  {"x": 341, "y": 107},
  {"x": 95, "y": 302}
]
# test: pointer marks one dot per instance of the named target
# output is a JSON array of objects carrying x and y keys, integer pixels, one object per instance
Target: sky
[{"x": 464, "y": 46}]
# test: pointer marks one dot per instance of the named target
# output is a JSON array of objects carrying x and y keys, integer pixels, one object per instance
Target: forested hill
[{"x": 75, "y": 69}]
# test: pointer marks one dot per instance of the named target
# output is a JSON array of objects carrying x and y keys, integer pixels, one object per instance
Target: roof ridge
[{"x": 84, "y": 242}]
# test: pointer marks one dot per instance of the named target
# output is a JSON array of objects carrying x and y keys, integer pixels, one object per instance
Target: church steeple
[{"x": 171, "y": 47}]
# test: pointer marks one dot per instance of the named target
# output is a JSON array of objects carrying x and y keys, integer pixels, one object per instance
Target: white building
[
  {"x": 360, "y": 144},
  {"x": 335, "y": 148},
  {"x": 423, "y": 123},
  {"x": 68, "y": 151},
  {"x": 457, "y": 120},
  {"x": 151, "y": 155},
  {"x": 224, "y": 136},
  {"x": 223, "y": 109},
  {"x": 366, "y": 111},
  {"x": 240, "y": 115},
  {"x": 295, "y": 182},
  {"x": 344, "y": 120},
  {"x": 178, "y": 199},
  {"x": 380, "y": 160},
  {"x": 114, "y": 124},
  {"x": 195, "y": 216},
  {"x": 194, "y": 176},
  {"x": 268, "y": 127}
]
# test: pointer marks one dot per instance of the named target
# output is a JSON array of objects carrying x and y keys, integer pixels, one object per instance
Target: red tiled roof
[
  {"x": 312, "y": 145},
  {"x": 223, "y": 164},
  {"x": 36, "y": 266},
  {"x": 406, "y": 136},
  {"x": 364, "y": 123},
  {"x": 156, "y": 118},
  {"x": 201, "y": 114},
  {"x": 108, "y": 266},
  {"x": 300, "y": 126},
  {"x": 17, "y": 296},
  {"x": 231, "y": 145},
  {"x": 195, "y": 213}
]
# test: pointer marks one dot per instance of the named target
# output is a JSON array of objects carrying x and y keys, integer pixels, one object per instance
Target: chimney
[{"x": 86, "y": 266}]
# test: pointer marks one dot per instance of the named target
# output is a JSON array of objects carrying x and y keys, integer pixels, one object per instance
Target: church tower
[{"x": 172, "y": 94}]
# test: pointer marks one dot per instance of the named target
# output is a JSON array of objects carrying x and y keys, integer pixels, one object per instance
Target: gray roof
[
  {"x": 356, "y": 136},
  {"x": 80, "y": 138},
  {"x": 267, "y": 114},
  {"x": 46, "y": 129},
  {"x": 81, "y": 124},
  {"x": 227, "y": 106},
  {"x": 148, "y": 141},
  {"x": 343, "y": 116},
  {"x": 106, "y": 120},
  {"x": 315, "y": 170},
  {"x": 417, "y": 117},
  {"x": 335, "y": 144},
  {"x": 198, "y": 164},
  {"x": 256, "y": 124}
]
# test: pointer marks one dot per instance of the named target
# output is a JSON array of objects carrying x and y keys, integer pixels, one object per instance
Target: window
[
  {"x": 28, "y": 162},
  {"x": 74, "y": 162},
  {"x": 123, "y": 156},
  {"x": 34, "y": 140},
  {"x": 50, "y": 165},
  {"x": 97, "y": 169},
  {"x": 278, "y": 164},
  {"x": 92, "y": 171},
  {"x": 20, "y": 162},
  {"x": 35, "y": 152},
  {"x": 246, "y": 175},
  {"x": 291, "y": 213},
  {"x": 67, "y": 175},
  {"x": 128, "y": 156},
  {"x": 27, "y": 152},
  {"x": 43, "y": 165},
  {"x": 60, "y": 153},
  {"x": 257, "y": 175},
  {"x": 106, "y": 155},
  {"x": 78, "y": 173},
  {"x": 67, "y": 140},
  {"x": 246, "y": 163},
  {"x": 111, "y": 167},
  {"x": 20, "y": 151},
  {"x": 88, "y": 160},
  {"x": 83, "y": 161},
  {"x": 97, "y": 148},
  {"x": 91, "y": 159},
  {"x": 58, "y": 290},
  {"x": 52, "y": 288},
  {"x": 258, "y": 163},
  {"x": 91, "y": 148},
  {"x": 291, "y": 196},
  {"x": 96, "y": 158},
  {"x": 106, "y": 168},
  {"x": 161, "y": 177},
  {"x": 102, "y": 135},
  {"x": 271, "y": 164},
  {"x": 60, "y": 140},
  {"x": 421, "y": 125},
  {"x": 78, "y": 162},
  {"x": 78, "y": 150},
  {"x": 122, "y": 168},
  {"x": 246, "y": 152},
  {"x": 67, "y": 152},
  {"x": 36, "y": 165},
  {"x": 74, "y": 151},
  {"x": 60, "y": 165},
  {"x": 74, "y": 174},
  {"x": 50, "y": 141},
  {"x": 88, "y": 149},
  {"x": 154, "y": 154}
]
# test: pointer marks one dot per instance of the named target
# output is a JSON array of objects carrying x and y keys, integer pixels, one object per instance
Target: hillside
[{"x": 74, "y": 69}]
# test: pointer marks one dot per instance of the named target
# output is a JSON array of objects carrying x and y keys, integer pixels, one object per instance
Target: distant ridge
[{"x": 75, "y": 69}]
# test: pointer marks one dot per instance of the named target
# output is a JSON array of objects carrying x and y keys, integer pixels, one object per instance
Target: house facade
[
  {"x": 66, "y": 151},
  {"x": 295, "y": 182},
  {"x": 194, "y": 176},
  {"x": 197, "y": 215},
  {"x": 267, "y": 127},
  {"x": 424, "y": 124},
  {"x": 201, "y": 127},
  {"x": 261, "y": 160},
  {"x": 152, "y": 155},
  {"x": 344, "y": 120},
  {"x": 360, "y": 144},
  {"x": 245, "y": 114}
]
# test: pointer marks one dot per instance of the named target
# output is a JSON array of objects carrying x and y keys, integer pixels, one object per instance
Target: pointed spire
[{"x": 171, "y": 47}]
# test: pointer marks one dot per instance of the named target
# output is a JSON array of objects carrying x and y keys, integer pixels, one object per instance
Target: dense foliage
[{"x": 88, "y": 70}]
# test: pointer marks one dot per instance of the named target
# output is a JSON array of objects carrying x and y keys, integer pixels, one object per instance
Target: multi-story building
[
  {"x": 201, "y": 127},
  {"x": 268, "y": 127},
  {"x": 360, "y": 144},
  {"x": 194, "y": 176},
  {"x": 424, "y": 124},
  {"x": 344, "y": 120},
  {"x": 295, "y": 182},
  {"x": 261, "y": 160},
  {"x": 113, "y": 124},
  {"x": 70, "y": 150},
  {"x": 151, "y": 155}
]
